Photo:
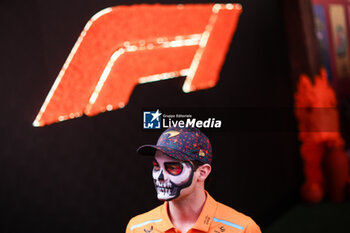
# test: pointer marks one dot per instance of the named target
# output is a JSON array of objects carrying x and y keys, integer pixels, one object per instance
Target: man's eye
[
  {"x": 155, "y": 166},
  {"x": 173, "y": 168}
]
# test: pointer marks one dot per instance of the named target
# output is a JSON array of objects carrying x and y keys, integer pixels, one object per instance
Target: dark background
[{"x": 83, "y": 175}]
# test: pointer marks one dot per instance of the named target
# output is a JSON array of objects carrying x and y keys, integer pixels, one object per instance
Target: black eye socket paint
[
  {"x": 173, "y": 168},
  {"x": 155, "y": 165}
]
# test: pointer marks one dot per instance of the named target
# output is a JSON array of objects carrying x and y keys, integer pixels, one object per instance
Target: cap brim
[
  {"x": 150, "y": 150},
  {"x": 147, "y": 150}
]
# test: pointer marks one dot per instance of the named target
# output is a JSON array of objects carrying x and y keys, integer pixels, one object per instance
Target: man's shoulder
[
  {"x": 151, "y": 216},
  {"x": 232, "y": 217},
  {"x": 225, "y": 211}
]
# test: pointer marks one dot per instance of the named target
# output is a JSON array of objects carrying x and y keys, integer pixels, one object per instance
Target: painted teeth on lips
[
  {"x": 164, "y": 190},
  {"x": 162, "y": 185}
]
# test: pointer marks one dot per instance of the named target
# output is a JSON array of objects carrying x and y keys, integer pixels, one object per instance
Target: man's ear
[{"x": 204, "y": 172}]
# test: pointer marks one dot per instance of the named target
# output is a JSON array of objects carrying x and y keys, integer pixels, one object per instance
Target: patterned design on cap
[{"x": 185, "y": 144}]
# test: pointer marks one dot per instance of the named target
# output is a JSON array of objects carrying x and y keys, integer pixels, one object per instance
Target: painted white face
[{"x": 170, "y": 176}]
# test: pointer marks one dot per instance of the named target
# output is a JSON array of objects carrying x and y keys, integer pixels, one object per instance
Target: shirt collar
[
  {"x": 166, "y": 224},
  {"x": 203, "y": 222},
  {"x": 206, "y": 217}
]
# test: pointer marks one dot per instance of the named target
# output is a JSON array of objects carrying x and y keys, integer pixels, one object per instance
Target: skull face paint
[{"x": 170, "y": 176}]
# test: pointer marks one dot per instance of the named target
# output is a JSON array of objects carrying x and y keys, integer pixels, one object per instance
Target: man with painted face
[{"x": 181, "y": 164}]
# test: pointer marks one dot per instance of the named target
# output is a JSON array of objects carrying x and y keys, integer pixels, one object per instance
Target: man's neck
[{"x": 184, "y": 212}]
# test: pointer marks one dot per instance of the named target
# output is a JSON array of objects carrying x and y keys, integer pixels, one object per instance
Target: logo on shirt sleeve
[{"x": 148, "y": 231}]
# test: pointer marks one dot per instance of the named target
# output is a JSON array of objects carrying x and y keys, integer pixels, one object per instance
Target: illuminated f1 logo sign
[{"x": 123, "y": 46}]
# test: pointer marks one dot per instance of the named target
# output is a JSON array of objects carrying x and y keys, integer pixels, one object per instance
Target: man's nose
[{"x": 161, "y": 175}]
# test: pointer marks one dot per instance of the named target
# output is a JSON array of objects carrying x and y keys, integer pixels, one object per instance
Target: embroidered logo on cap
[{"x": 173, "y": 133}]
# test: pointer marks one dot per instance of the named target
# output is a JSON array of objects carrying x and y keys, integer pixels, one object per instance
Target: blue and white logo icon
[{"x": 151, "y": 120}]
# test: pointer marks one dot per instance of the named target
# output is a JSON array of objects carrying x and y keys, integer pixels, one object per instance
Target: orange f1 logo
[{"x": 123, "y": 46}]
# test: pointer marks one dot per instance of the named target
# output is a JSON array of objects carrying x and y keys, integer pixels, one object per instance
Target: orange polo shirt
[{"x": 214, "y": 218}]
